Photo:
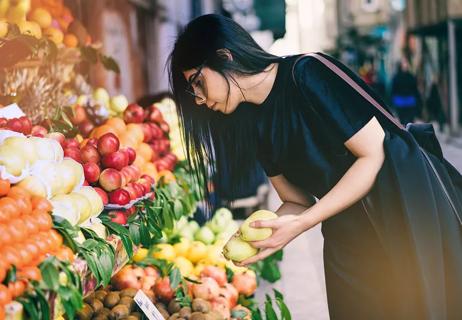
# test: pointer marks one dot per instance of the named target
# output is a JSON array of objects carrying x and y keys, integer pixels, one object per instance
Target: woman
[{"x": 392, "y": 246}]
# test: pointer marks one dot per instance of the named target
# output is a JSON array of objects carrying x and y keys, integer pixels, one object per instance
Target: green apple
[
  {"x": 194, "y": 226},
  {"x": 238, "y": 250},
  {"x": 257, "y": 234},
  {"x": 101, "y": 95},
  {"x": 119, "y": 103},
  {"x": 187, "y": 233},
  {"x": 181, "y": 223},
  {"x": 223, "y": 213},
  {"x": 205, "y": 235}
]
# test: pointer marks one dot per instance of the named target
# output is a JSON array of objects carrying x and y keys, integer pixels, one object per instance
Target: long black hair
[{"x": 225, "y": 144}]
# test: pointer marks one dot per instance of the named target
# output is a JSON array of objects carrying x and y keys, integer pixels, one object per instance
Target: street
[{"x": 302, "y": 280}]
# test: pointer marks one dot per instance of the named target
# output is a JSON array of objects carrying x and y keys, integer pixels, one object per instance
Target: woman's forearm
[
  {"x": 290, "y": 208},
  {"x": 353, "y": 186}
]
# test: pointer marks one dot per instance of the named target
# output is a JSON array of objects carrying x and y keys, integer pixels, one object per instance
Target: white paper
[
  {"x": 146, "y": 305},
  {"x": 11, "y": 111}
]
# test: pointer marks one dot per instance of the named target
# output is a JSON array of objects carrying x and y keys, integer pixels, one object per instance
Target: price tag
[
  {"x": 146, "y": 305},
  {"x": 11, "y": 111}
]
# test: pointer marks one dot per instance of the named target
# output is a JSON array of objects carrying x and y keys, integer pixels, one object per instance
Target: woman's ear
[{"x": 225, "y": 54}]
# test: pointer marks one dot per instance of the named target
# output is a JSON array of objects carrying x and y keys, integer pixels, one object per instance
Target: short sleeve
[
  {"x": 270, "y": 167},
  {"x": 342, "y": 108}
]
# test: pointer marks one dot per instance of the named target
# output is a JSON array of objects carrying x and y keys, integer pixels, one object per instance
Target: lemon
[
  {"x": 140, "y": 255},
  {"x": 186, "y": 267},
  {"x": 164, "y": 251},
  {"x": 182, "y": 247},
  {"x": 197, "y": 251}
]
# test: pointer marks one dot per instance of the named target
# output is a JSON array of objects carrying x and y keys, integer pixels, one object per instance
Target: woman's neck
[{"x": 256, "y": 88}]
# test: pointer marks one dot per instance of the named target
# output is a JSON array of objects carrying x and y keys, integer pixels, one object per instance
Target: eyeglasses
[{"x": 196, "y": 84}]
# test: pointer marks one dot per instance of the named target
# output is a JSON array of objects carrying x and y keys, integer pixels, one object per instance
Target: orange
[
  {"x": 55, "y": 35},
  {"x": 101, "y": 130},
  {"x": 41, "y": 16},
  {"x": 16, "y": 192},
  {"x": 57, "y": 239},
  {"x": 126, "y": 140},
  {"x": 117, "y": 124},
  {"x": 30, "y": 273},
  {"x": 10, "y": 255},
  {"x": 166, "y": 175},
  {"x": 25, "y": 255},
  {"x": 8, "y": 209},
  {"x": 4, "y": 187},
  {"x": 32, "y": 248},
  {"x": 16, "y": 288},
  {"x": 5, "y": 236},
  {"x": 135, "y": 131},
  {"x": 17, "y": 230},
  {"x": 30, "y": 226},
  {"x": 41, "y": 204},
  {"x": 5, "y": 296},
  {"x": 25, "y": 205},
  {"x": 70, "y": 40},
  {"x": 43, "y": 221},
  {"x": 144, "y": 151},
  {"x": 65, "y": 254}
]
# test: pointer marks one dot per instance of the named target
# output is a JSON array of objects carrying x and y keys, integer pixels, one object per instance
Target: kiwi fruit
[
  {"x": 89, "y": 298},
  {"x": 174, "y": 306},
  {"x": 97, "y": 305},
  {"x": 111, "y": 300},
  {"x": 129, "y": 292},
  {"x": 215, "y": 316},
  {"x": 100, "y": 294},
  {"x": 104, "y": 312},
  {"x": 85, "y": 313},
  {"x": 200, "y": 305},
  {"x": 101, "y": 317},
  {"x": 198, "y": 316},
  {"x": 118, "y": 312},
  {"x": 185, "y": 312},
  {"x": 128, "y": 301},
  {"x": 174, "y": 316},
  {"x": 137, "y": 315}
]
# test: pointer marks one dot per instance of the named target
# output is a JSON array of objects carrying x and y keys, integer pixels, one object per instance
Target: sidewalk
[{"x": 302, "y": 280}]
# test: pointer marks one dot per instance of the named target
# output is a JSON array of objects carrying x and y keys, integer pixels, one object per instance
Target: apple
[
  {"x": 110, "y": 179},
  {"x": 165, "y": 127},
  {"x": 26, "y": 125},
  {"x": 89, "y": 154},
  {"x": 147, "y": 131},
  {"x": 108, "y": 143},
  {"x": 116, "y": 160},
  {"x": 119, "y": 103},
  {"x": 257, "y": 234},
  {"x": 193, "y": 226},
  {"x": 141, "y": 190},
  {"x": 138, "y": 189},
  {"x": 149, "y": 178},
  {"x": 216, "y": 273},
  {"x": 156, "y": 131},
  {"x": 146, "y": 184},
  {"x": 131, "y": 191},
  {"x": 155, "y": 115},
  {"x": 3, "y": 122},
  {"x": 163, "y": 290},
  {"x": 71, "y": 143},
  {"x": 92, "y": 142},
  {"x": 85, "y": 183},
  {"x": 118, "y": 217},
  {"x": 130, "y": 211},
  {"x": 39, "y": 131},
  {"x": 131, "y": 153},
  {"x": 58, "y": 136},
  {"x": 103, "y": 195},
  {"x": 101, "y": 95},
  {"x": 133, "y": 114},
  {"x": 207, "y": 289},
  {"x": 120, "y": 197},
  {"x": 14, "y": 125},
  {"x": 86, "y": 127},
  {"x": 91, "y": 171},
  {"x": 205, "y": 235},
  {"x": 245, "y": 283},
  {"x": 238, "y": 250},
  {"x": 73, "y": 153},
  {"x": 136, "y": 173},
  {"x": 78, "y": 114}
]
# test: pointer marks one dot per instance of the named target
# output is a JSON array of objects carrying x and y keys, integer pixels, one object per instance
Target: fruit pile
[
  {"x": 21, "y": 124},
  {"x": 40, "y": 19},
  {"x": 27, "y": 238},
  {"x": 218, "y": 229}
]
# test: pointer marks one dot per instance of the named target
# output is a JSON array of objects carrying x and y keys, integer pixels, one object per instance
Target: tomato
[
  {"x": 8, "y": 209},
  {"x": 5, "y": 236},
  {"x": 41, "y": 204},
  {"x": 30, "y": 273},
  {"x": 18, "y": 230},
  {"x": 17, "y": 288},
  {"x": 4, "y": 187},
  {"x": 5, "y": 296},
  {"x": 43, "y": 221}
]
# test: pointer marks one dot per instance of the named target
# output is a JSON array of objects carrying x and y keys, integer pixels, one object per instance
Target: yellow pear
[
  {"x": 23, "y": 146},
  {"x": 95, "y": 200},
  {"x": 13, "y": 161},
  {"x": 197, "y": 251},
  {"x": 184, "y": 265},
  {"x": 35, "y": 186},
  {"x": 83, "y": 204},
  {"x": 238, "y": 250},
  {"x": 65, "y": 208},
  {"x": 257, "y": 234},
  {"x": 164, "y": 251},
  {"x": 182, "y": 247}
]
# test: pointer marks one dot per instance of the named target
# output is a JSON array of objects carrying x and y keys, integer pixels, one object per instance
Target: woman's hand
[{"x": 285, "y": 229}]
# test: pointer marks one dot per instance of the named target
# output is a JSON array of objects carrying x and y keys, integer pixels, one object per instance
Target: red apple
[
  {"x": 131, "y": 191},
  {"x": 39, "y": 131},
  {"x": 130, "y": 211},
  {"x": 136, "y": 173},
  {"x": 165, "y": 127},
  {"x": 156, "y": 131},
  {"x": 163, "y": 290},
  {"x": 71, "y": 143},
  {"x": 14, "y": 125},
  {"x": 86, "y": 127},
  {"x": 108, "y": 143},
  {"x": 91, "y": 171},
  {"x": 148, "y": 134},
  {"x": 134, "y": 114},
  {"x": 58, "y": 136},
  {"x": 216, "y": 273},
  {"x": 131, "y": 154},
  {"x": 118, "y": 217},
  {"x": 85, "y": 183},
  {"x": 74, "y": 153},
  {"x": 116, "y": 160},
  {"x": 120, "y": 197},
  {"x": 161, "y": 164},
  {"x": 146, "y": 184},
  {"x": 3, "y": 122},
  {"x": 26, "y": 125},
  {"x": 155, "y": 115},
  {"x": 149, "y": 178},
  {"x": 79, "y": 114},
  {"x": 89, "y": 154},
  {"x": 102, "y": 194},
  {"x": 110, "y": 179},
  {"x": 139, "y": 189},
  {"x": 92, "y": 142}
]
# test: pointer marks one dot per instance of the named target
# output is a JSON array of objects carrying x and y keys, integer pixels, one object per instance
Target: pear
[
  {"x": 23, "y": 146},
  {"x": 257, "y": 234},
  {"x": 238, "y": 250}
]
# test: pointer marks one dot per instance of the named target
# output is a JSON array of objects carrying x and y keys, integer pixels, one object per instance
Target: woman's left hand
[{"x": 285, "y": 229}]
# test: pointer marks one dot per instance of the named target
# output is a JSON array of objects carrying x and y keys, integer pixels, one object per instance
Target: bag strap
[{"x": 339, "y": 72}]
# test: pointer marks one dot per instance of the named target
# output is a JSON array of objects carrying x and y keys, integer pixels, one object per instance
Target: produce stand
[{"x": 96, "y": 198}]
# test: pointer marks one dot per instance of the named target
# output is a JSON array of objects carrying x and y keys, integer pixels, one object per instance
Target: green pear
[
  {"x": 119, "y": 103},
  {"x": 238, "y": 250},
  {"x": 193, "y": 225},
  {"x": 257, "y": 234},
  {"x": 220, "y": 220},
  {"x": 205, "y": 235}
]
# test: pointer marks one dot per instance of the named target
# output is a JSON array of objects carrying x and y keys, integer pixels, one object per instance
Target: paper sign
[
  {"x": 11, "y": 111},
  {"x": 146, "y": 305}
]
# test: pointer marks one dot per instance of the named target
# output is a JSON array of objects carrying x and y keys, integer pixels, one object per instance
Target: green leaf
[
  {"x": 285, "y": 312},
  {"x": 270, "y": 271},
  {"x": 177, "y": 209},
  {"x": 44, "y": 306},
  {"x": 278, "y": 294},
  {"x": 229, "y": 274},
  {"x": 239, "y": 314},
  {"x": 124, "y": 235},
  {"x": 106, "y": 262},
  {"x": 175, "y": 277},
  {"x": 269, "y": 311},
  {"x": 10, "y": 276},
  {"x": 134, "y": 230},
  {"x": 90, "y": 54},
  {"x": 167, "y": 216},
  {"x": 278, "y": 255},
  {"x": 50, "y": 275},
  {"x": 109, "y": 63},
  {"x": 30, "y": 308}
]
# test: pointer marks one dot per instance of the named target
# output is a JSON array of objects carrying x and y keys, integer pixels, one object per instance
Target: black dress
[{"x": 372, "y": 267}]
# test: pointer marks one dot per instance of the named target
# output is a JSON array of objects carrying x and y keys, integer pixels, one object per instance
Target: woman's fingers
[
  {"x": 259, "y": 256},
  {"x": 264, "y": 224}
]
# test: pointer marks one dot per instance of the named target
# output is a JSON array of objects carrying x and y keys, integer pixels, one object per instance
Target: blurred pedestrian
[
  {"x": 405, "y": 96},
  {"x": 434, "y": 105},
  {"x": 392, "y": 242}
]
